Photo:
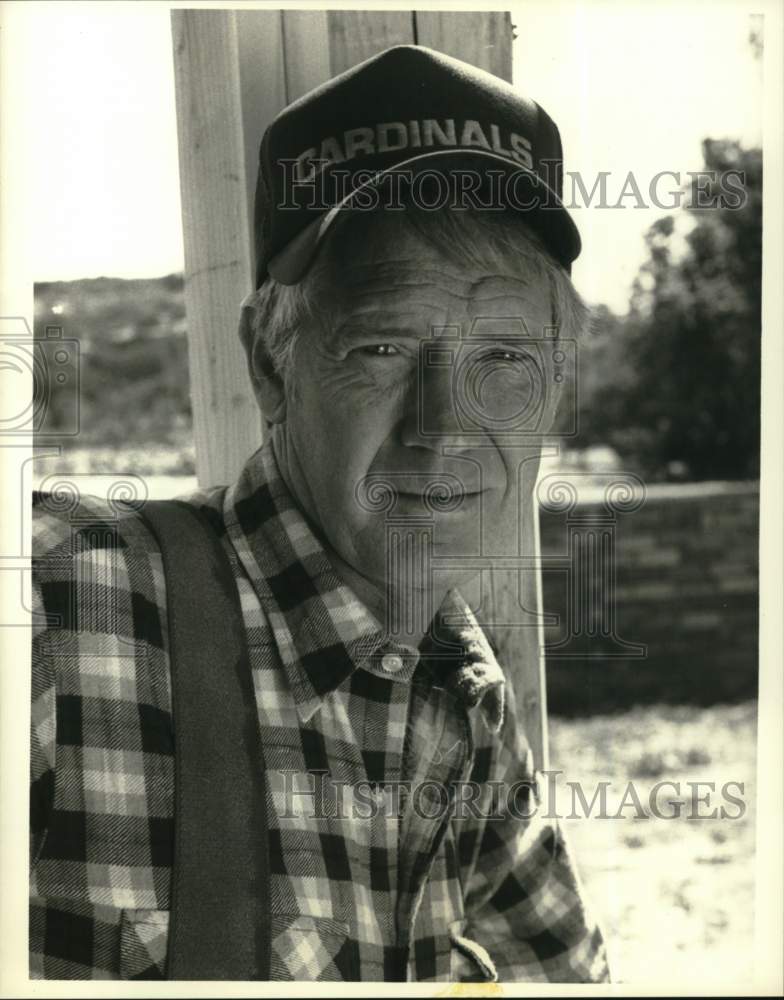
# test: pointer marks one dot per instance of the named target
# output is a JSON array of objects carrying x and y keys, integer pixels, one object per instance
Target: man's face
[{"x": 413, "y": 375}]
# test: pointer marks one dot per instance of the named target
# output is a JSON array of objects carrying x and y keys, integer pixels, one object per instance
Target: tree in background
[{"x": 680, "y": 390}]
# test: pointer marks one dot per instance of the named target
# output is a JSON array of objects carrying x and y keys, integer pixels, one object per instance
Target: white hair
[{"x": 498, "y": 242}]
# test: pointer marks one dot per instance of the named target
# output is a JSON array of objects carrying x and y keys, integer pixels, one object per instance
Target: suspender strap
[{"x": 219, "y": 925}]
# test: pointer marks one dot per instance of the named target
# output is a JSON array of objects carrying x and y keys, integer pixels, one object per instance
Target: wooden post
[
  {"x": 484, "y": 40},
  {"x": 226, "y": 420},
  {"x": 355, "y": 35},
  {"x": 234, "y": 71}
]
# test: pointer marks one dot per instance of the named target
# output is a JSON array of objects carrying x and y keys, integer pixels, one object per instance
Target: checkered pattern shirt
[{"x": 368, "y": 746}]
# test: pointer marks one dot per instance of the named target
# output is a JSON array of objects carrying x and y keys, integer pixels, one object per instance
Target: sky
[{"x": 632, "y": 87}]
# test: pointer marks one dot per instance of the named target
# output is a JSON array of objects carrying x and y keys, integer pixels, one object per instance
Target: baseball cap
[{"x": 408, "y": 123}]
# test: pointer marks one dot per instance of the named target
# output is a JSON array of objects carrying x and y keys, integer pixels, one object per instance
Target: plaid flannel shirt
[{"x": 386, "y": 880}]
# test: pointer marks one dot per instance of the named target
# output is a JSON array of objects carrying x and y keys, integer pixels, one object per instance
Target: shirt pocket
[
  {"x": 312, "y": 949},
  {"x": 144, "y": 937},
  {"x": 469, "y": 960}
]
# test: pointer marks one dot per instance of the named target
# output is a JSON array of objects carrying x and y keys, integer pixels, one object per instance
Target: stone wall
[{"x": 684, "y": 588}]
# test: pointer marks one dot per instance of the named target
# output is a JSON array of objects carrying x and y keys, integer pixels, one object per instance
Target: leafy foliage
[{"x": 681, "y": 390}]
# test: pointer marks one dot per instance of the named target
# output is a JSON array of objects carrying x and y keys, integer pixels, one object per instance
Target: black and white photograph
[{"x": 391, "y": 542}]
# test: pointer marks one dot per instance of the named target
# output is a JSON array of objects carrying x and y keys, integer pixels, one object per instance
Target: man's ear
[{"x": 267, "y": 384}]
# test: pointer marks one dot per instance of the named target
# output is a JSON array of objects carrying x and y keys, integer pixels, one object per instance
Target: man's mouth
[
  {"x": 427, "y": 493},
  {"x": 437, "y": 491},
  {"x": 439, "y": 499}
]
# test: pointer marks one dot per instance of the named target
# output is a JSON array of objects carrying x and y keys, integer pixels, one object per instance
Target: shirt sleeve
[{"x": 523, "y": 900}]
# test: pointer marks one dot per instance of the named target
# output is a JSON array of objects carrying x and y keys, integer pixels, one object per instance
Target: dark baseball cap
[{"x": 409, "y": 123}]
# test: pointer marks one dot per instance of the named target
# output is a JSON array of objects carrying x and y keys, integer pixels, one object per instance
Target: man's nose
[{"x": 433, "y": 414}]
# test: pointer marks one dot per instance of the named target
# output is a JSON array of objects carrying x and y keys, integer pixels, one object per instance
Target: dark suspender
[{"x": 220, "y": 883}]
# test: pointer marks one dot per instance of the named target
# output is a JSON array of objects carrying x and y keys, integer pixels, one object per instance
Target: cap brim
[{"x": 550, "y": 217}]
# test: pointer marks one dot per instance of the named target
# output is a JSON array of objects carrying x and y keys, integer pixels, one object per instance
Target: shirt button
[{"x": 391, "y": 662}]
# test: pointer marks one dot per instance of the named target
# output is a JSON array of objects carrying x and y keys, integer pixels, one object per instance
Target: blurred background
[{"x": 667, "y": 389}]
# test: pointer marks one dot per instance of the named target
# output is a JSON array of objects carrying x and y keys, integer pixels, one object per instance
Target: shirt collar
[{"x": 322, "y": 629}]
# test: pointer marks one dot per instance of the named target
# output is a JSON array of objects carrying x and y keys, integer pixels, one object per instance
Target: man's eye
[
  {"x": 380, "y": 350},
  {"x": 503, "y": 354}
]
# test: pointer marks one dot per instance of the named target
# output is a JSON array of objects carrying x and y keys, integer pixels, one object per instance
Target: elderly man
[{"x": 270, "y": 739}]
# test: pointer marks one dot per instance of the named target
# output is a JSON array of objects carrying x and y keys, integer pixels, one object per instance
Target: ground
[{"x": 675, "y": 896}]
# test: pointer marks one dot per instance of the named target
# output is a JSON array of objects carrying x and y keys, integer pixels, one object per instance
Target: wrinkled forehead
[{"x": 380, "y": 262}]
